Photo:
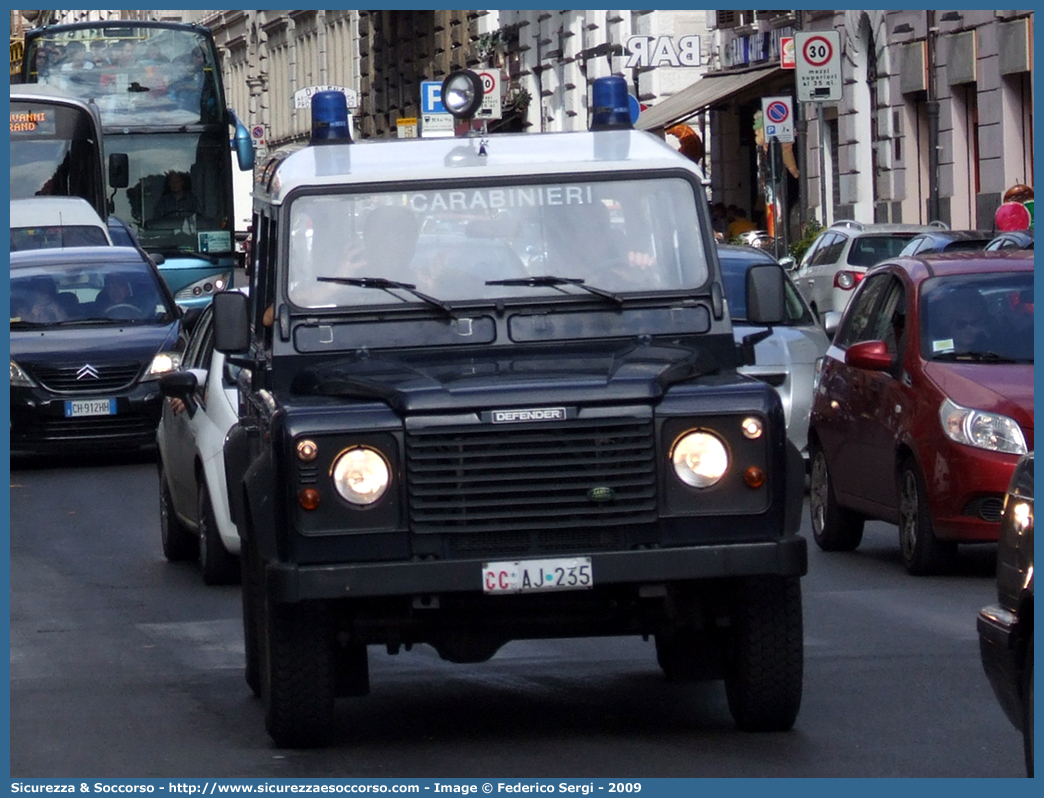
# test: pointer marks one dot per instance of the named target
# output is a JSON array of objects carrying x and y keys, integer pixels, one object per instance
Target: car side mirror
[
  {"x": 831, "y": 321},
  {"x": 231, "y": 322},
  {"x": 788, "y": 263},
  {"x": 765, "y": 303},
  {"x": 870, "y": 356},
  {"x": 119, "y": 170},
  {"x": 181, "y": 385}
]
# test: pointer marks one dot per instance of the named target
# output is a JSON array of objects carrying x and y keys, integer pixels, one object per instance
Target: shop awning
[{"x": 706, "y": 91}]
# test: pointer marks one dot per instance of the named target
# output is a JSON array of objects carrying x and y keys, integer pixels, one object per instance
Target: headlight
[
  {"x": 700, "y": 459},
  {"x": 361, "y": 475},
  {"x": 19, "y": 377},
  {"x": 163, "y": 363},
  {"x": 990, "y": 431},
  {"x": 205, "y": 287}
]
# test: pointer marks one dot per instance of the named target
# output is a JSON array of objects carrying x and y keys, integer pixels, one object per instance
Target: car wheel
[
  {"x": 298, "y": 678},
  {"x": 764, "y": 672},
  {"x": 922, "y": 552},
  {"x": 219, "y": 567},
  {"x": 179, "y": 543},
  {"x": 833, "y": 527},
  {"x": 1027, "y": 708}
]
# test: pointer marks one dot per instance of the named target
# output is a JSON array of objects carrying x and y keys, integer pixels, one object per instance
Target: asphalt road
[{"x": 123, "y": 665}]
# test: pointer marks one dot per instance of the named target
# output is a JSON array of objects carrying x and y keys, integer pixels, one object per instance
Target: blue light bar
[
  {"x": 610, "y": 109},
  {"x": 330, "y": 118}
]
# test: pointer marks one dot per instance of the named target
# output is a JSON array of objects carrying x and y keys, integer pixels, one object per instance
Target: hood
[
  {"x": 994, "y": 387},
  {"x": 97, "y": 345},
  {"x": 787, "y": 345},
  {"x": 418, "y": 383}
]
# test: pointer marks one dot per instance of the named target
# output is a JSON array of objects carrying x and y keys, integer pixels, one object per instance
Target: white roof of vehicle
[
  {"x": 48, "y": 211},
  {"x": 390, "y": 161}
]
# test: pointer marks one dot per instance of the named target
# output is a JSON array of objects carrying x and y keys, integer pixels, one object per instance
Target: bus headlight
[
  {"x": 700, "y": 459},
  {"x": 206, "y": 287},
  {"x": 361, "y": 475}
]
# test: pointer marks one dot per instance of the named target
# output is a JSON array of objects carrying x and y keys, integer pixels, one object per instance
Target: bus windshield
[
  {"x": 137, "y": 75},
  {"x": 56, "y": 150}
]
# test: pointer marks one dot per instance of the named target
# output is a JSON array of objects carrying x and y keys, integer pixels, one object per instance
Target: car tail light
[{"x": 847, "y": 280}]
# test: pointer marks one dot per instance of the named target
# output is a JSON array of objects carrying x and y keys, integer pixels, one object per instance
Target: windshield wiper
[
  {"x": 383, "y": 284},
  {"x": 549, "y": 280},
  {"x": 980, "y": 357}
]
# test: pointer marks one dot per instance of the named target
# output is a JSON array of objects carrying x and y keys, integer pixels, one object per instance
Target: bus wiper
[
  {"x": 383, "y": 284},
  {"x": 549, "y": 280}
]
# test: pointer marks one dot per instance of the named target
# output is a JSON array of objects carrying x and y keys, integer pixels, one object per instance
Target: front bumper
[
  {"x": 39, "y": 424},
  {"x": 1001, "y": 651},
  {"x": 290, "y": 583}
]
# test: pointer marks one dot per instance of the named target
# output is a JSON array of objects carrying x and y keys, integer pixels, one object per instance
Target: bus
[
  {"x": 158, "y": 90},
  {"x": 56, "y": 147}
]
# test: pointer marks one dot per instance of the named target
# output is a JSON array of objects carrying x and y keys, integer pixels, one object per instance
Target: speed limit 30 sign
[{"x": 817, "y": 73}]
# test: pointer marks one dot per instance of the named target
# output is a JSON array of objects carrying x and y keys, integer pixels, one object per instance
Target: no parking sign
[{"x": 778, "y": 116}]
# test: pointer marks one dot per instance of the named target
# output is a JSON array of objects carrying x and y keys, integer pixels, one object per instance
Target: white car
[
  {"x": 49, "y": 222},
  {"x": 194, "y": 514},
  {"x": 786, "y": 359}
]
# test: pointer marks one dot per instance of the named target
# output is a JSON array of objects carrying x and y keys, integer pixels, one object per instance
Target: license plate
[
  {"x": 538, "y": 576},
  {"x": 90, "y": 407}
]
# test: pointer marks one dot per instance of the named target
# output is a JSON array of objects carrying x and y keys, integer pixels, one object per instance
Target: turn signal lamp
[{"x": 330, "y": 118}]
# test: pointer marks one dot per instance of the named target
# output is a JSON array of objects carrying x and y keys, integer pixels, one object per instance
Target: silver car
[{"x": 786, "y": 360}]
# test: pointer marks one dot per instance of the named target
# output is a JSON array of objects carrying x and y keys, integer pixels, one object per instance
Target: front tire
[
  {"x": 922, "y": 552},
  {"x": 833, "y": 527},
  {"x": 298, "y": 681},
  {"x": 179, "y": 542},
  {"x": 219, "y": 567},
  {"x": 764, "y": 674}
]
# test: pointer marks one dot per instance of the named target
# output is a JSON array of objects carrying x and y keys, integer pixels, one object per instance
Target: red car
[{"x": 924, "y": 404}]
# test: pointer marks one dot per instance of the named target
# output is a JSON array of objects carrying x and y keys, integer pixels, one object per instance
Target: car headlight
[
  {"x": 206, "y": 287},
  {"x": 990, "y": 431},
  {"x": 700, "y": 459},
  {"x": 361, "y": 475},
  {"x": 19, "y": 378},
  {"x": 163, "y": 363}
]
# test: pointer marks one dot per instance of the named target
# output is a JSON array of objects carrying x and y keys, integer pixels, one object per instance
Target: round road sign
[
  {"x": 488, "y": 82},
  {"x": 817, "y": 51},
  {"x": 777, "y": 112}
]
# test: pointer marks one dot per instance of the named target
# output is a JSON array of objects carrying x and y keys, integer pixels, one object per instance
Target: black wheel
[
  {"x": 298, "y": 681},
  {"x": 764, "y": 672},
  {"x": 833, "y": 527},
  {"x": 1027, "y": 707},
  {"x": 250, "y": 574},
  {"x": 179, "y": 542},
  {"x": 922, "y": 552},
  {"x": 219, "y": 567}
]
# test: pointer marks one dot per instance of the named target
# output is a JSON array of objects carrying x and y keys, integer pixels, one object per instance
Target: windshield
[
  {"x": 71, "y": 294},
  {"x": 177, "y": 199},
  {"x": 55, "y": 151},
  {"x": 986, "y": 318},
  {"x": 138, "y": 76},
  {"x": 620, "y": 236}
]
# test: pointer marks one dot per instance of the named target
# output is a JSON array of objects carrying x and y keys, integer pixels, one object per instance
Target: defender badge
[{"x": 533, "y": 414}]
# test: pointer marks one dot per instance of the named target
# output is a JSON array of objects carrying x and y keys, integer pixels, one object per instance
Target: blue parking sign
[{"x": 431, "y": 97}]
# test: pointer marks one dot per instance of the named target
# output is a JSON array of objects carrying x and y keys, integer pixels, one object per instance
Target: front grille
[
  {"x": 71, "y": 379},
  {"x": 499, "y": 483},
  {"x": 94, "y": 428}
]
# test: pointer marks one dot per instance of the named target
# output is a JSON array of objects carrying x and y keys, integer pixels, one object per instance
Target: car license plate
[
  {"x": 90, "y": 407},
  {"x": 537, "y": 576}
]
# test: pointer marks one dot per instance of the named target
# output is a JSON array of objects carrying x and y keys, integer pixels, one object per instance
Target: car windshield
[
  {"x": 869, "y": 250},
  {"x": 77, "y": 294},
  {"x": 734, "y": 274},
  {"x": 480, "y": 243},
  {"x": 981, "y": 318}
]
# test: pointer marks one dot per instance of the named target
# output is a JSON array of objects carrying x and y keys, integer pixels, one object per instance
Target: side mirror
[
  {"x": 189, "y": 317},
  {"x": 243, "y": 143},
  {"x": 765, "y": 301},
  {"x": 788, "y": 263},
  {"x": 231, "y": 322},
  {"x": 869, "y": 355},
  {"x": 181, "y": 385},
  {"x": 831, "y": 320},
  {"x": 119, "y": 170}
]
